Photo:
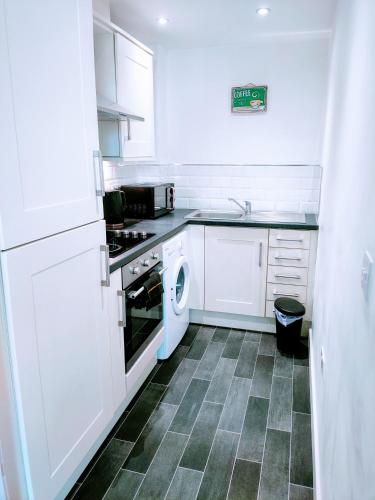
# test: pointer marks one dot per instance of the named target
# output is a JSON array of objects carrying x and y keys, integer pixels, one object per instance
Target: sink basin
[{"x": 280, "y": 217}]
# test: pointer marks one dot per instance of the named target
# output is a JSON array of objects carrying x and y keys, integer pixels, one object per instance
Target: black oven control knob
[
  {"x": 135, "y": 270},
  {"x": 146, "y": 263},
  {"x": 155, "y": 256}
]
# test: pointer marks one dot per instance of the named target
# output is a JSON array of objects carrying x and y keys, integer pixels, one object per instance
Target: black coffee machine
[{"x": 114, "y": 203}]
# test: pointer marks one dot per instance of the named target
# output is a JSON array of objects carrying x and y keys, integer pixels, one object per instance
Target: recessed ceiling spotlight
[
  {"x": 163, "y": 20},
  {"x": 263, "y": 11}
]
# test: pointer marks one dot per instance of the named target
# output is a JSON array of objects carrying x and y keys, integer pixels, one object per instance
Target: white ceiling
[{"x": 200, "y": 23}]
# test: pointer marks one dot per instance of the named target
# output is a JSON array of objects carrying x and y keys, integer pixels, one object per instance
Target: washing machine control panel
[{"x": 141, "y": 265}]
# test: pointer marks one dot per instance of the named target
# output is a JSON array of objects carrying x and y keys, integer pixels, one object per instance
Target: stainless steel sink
[{"x": 280, "y": 217}]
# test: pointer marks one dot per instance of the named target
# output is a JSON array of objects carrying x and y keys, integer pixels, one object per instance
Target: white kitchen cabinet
[
  {"x": 135, "y": 92},
  {"x": 49, "y": 168},
  {"x": 116, "y": 317},
  {"x": 60, "y": 352},
  {"x": 235, "y": 270},
  {"x": 195, "y": 253}
]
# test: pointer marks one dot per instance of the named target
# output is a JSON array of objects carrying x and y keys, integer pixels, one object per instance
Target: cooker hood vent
[{"x": 110, "y": 111}]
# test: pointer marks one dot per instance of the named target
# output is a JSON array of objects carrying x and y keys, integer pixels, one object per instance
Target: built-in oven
[{"x": 143, "y": 296}]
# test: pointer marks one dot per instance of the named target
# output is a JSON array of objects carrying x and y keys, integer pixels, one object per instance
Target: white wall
[
  {"x": 200, "y": 127},
  {"x": 344, "y": 322},
  {"x": 102, "y": 7}
]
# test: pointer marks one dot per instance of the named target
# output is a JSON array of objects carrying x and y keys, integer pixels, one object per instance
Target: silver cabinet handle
[
  {"x": 287, "y": 258},
  {"x": 105, "y": 249},
  {"x": 286, "y": 294},
  {"x": 122, "y": 322},
  {"x": 98, "y": 165},
  {"x": 294, "y": 276},
  {"x": 129, "y": 129},
  {"x": 260, "y": 253},
  {"x": 279, "y": 238}
]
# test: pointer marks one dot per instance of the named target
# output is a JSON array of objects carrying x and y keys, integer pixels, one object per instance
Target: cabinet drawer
[
  {"x": 288, "y": 257},
  {"x": 287, "y": 275},
  {"x": 275, "y": 291},
  {"x": 269, "y": 309},
  {"x": 285, "y": 238}
]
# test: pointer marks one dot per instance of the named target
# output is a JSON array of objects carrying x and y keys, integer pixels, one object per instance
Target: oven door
[{"x": 142, "y": 325}]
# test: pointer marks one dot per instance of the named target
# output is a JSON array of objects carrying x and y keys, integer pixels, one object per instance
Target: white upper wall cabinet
[
  {"x": 48, "y": 125},
  {"x": 60, "y": 352},
  {"x": 135, "y": 92}
]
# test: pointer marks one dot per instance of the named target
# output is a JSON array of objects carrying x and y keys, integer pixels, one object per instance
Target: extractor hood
[{"x": 108, "y": 110}]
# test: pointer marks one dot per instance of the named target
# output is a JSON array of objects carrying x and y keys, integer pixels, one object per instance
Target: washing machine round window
[{"x": 180, "y": 285}]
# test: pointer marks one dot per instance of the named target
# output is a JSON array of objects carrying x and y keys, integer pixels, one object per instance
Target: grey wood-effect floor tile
[
  {"x": 140, "y": 413},
  {"x": 297, "y": 492},
  {"x": 235, "y": 405},
  {"x": 124, "y": 486},
  {"x": 185, "y": 484},
  {"x": 262, "y": 380},
  {"x": 234, "y": 343},
  {"x": 216, "y": 478},
  {"x": 104, "y": 471},
  {"x": 245, "y": 481},
  {"x": 198, "y": 448},
  {"x": 301, "y": 389},
  {"x": 209, "y": 361},
  {"x": 180, "y": 381},
  {"x": 159, "y": 476},
  {"x": 201, "y": 341},
  {"x": 169, "y": 366},
  {"x": 274, "y": 481},
  {"x": 280, "y": 414},
  {"x": 301, "y": 467},
  {"x": 189, "y": 408},
  {"x": 253, "y": 434},
  {"x": 190, "y": 335},
  {"x": 301, "y": 362},
  {"x": 221, "y": 380},
  {"x": 253, "y": 336},
  {"x": 283, "y": 365},
  {"x": 221, "y": 334},
  {"x": 150, "y": 438},
  {"x": 267, "y": 346},
  {"x": 246, "y": 360}
]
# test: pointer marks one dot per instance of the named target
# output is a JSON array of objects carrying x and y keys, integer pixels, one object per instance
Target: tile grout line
[{"x": 291, "y": 431}]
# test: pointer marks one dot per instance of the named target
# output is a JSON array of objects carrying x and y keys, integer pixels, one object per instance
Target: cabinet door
[
  {"x": 116, "y": 315},
  {"x": 235, "y": 270},
  {"x": 135, "y": 92},
  {"x": 60, "y": 352},
  {"x": 48, "y": 123}
]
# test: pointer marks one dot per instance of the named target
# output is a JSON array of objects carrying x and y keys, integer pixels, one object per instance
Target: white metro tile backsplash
[{"x": 275, "y": 187}]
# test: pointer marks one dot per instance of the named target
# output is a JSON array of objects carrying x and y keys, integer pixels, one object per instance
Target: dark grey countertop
[{"x": 167, "y": 226}]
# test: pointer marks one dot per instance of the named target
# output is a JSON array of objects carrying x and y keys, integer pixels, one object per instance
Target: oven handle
[{"x": 134, "y": 295}]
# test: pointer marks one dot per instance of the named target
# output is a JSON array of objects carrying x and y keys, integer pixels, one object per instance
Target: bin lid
[{"x": 289, "y": 307}]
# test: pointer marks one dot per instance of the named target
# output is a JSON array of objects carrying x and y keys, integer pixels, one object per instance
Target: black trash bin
[{"x": 289, "y": 326}]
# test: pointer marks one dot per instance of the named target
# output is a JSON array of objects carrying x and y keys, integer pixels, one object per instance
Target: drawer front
[
  {"x": 269, "y": 309},
  {"x": 285, "y": 238},
  {"x": 287, "y": 275},
  {"x": 274, "y": 291},
  {"x": 288, "y": 257}
]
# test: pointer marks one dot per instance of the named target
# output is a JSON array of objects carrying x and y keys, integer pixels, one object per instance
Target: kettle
[{"x": 114, "y": 203}]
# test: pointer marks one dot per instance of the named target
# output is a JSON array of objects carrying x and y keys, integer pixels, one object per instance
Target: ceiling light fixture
[
  {"x": 263, "y": 11},
  {"x": 163, "y": 20}
]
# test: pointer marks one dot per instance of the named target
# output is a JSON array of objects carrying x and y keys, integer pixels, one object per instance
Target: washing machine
[{"x": 176, "y": 281}]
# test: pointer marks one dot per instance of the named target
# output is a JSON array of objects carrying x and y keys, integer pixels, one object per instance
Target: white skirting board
[
  {"x": 314, "y": 426},
  {"x": 233, "y": 320}
]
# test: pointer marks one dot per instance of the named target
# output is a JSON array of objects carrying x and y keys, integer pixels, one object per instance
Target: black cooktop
[{"x": 122, "y": 240}]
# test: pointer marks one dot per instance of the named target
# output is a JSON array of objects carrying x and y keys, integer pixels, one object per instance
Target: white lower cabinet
[
  {"x": 60, "y": 352},
  {"x": 235, "y": 270},
  {"x": 116, "y": 317},
  {"x": 195, "y": 254}
]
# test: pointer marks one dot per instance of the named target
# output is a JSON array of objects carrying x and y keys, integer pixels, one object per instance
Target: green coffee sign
[{"x": 249, "y": 99}]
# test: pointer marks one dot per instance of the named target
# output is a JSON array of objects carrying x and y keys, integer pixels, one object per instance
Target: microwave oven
[{"x": 148, "y": 200}]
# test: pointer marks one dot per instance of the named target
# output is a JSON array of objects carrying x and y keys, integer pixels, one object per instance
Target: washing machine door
[{"x": 180, "y": 285}]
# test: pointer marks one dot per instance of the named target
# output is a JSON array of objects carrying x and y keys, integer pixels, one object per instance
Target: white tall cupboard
[
  {"x": 50, "y": 164},
  {"x": 60, "y": 352}
]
